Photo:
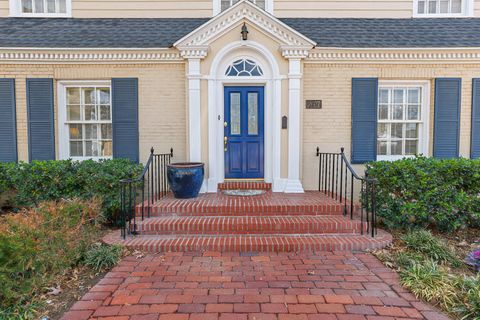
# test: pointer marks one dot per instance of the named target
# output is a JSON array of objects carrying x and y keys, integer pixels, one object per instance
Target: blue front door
[{"x": 243, "y": 134}]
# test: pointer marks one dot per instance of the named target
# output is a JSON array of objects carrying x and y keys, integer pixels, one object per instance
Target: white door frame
[{"x": 271, "y": 80}]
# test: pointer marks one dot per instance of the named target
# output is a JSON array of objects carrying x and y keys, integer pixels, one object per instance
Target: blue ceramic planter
[{"x": 185, "y": 179}]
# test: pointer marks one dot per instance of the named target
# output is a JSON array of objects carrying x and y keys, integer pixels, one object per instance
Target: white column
[
  {"x": 194, "y": 55},
  {"x": 293, "y": 184}
]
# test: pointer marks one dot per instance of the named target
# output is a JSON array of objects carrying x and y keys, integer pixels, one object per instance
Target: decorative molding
[
  {"x": 420, "y": 55},
  {"x": 194, "y": 52},
  {"x": 75, "y": 56},
  {"x": 323, "y": 55},
  {"x": 289, "y": 52},
  {"x": 209, "y": 31}
]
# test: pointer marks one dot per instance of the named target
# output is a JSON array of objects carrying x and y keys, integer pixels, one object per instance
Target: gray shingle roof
[
  {"x": 390, "y": 33},
  {"x": 94, "y": 33},
  {"x": 161, "y": 33}
]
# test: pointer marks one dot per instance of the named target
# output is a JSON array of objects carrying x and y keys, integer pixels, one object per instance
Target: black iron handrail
[
  {"x": 148, "y": 187},
  {"x": 337, "y": 179}
]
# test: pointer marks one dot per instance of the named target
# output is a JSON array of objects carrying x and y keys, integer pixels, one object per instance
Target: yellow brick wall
[
  {"x": 330, "y": 127},
  {"x": 161, "y": 100}
]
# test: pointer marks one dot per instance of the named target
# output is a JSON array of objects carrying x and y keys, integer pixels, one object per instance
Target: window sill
[
  {"x": 88, "y": 158},
  {"x": 442, "y": 15},
  {"x": 41, "y": 15},
  {"x": 393, "y": 158}
]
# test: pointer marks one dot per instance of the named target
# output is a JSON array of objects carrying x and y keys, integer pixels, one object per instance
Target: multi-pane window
[
  {"x": 440, "y": 7},
  {"x": 44, "y": 6},
  {"x": 244, "y": 68},
  {"x": 228, "y": 3},
  {"x": 89, "y": 121},
  {"x": 400, "y": 121}
]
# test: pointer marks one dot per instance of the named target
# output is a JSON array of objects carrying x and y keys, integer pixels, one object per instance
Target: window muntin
[
  {"x": 44, "y": 6},
  {"x": 89, "y": 122},
  {"x": 225, "y": 4},
  {"x": 244, "y": 68},
  {"x": 442, "y": 7},
  {"x": 401, "y": 121}
]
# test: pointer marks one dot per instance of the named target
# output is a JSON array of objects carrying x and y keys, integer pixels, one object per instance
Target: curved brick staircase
[{"x": 268, "y": 222}]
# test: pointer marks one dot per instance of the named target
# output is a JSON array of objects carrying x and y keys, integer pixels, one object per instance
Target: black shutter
[
  {"x": 41, "y": 129},
  {"x": 364, "y": 119},
  {"x": 8, "y": 127},
  {"x": 125, "y": 118},
  {"x": 447, "y": 117}
]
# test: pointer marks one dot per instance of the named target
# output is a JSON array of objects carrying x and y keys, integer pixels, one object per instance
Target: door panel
[{"x": 243, "y": 134}]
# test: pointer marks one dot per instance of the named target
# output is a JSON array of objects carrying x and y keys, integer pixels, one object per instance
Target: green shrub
[
  {"x": 102, "y": 257},
  {"x": 40, "y": 181},
  {"x": 38, "y": 244},
  {"x": 424, "y": 242},
  {"x": 428, "y": 192}
]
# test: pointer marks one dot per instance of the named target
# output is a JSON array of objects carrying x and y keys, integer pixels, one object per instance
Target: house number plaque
[{"x": 313, "y": 104}]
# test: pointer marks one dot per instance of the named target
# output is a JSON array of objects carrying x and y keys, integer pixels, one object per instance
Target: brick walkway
[{"x": 283, "y": 286}]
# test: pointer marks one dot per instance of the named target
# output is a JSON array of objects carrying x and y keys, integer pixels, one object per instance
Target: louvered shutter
[
  {"x": 41, "y": 130},
  {"x": 447, "y": 117},
  {"x": 364, "y": 119},
  {"x": 475, "y": 144},
  {"x": 8, "y": 127},
  {"x": 125, "y": 118}
]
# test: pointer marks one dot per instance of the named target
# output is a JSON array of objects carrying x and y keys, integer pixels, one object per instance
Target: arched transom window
[{"x": 244, "y": 68}]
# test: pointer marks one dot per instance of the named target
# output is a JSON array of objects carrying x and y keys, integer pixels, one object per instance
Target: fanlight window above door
[{"x": 244, "y": 68}]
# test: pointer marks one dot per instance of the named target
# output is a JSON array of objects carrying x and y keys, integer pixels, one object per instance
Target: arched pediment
[{"x": 204, "y": 35}]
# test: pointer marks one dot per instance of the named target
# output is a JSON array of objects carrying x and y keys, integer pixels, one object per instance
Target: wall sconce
[{"x": 244, "y": 32}]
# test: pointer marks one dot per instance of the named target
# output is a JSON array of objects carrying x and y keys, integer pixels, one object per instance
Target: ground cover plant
[{"x": 436, "y": 272}]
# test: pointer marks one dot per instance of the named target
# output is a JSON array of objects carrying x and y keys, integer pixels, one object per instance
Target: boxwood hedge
[
  {"x": 428, "y": 192},
  {"x": 28, "y": 184}
]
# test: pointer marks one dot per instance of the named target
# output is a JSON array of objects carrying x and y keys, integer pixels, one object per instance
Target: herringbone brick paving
[{"x": 231, "y": 285}]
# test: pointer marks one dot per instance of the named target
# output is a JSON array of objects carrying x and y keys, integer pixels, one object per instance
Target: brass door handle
[{"x": 225, "y": 141}]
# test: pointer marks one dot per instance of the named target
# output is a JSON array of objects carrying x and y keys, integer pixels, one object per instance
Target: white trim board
[
  {"x": 16, "y": 11},
  {"x": 63, "y": 135},
  {"x": 424, "y": 134},
  {"x": 467, "y": 11},
  {"x": 217, "y": 6}
]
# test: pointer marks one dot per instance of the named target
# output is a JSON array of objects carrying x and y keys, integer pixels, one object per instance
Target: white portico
[{"x": 274, "y": 49}]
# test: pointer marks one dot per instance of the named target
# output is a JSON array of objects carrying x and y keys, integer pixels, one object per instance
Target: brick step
[
  {"x": 250, "y": 225},
  {"x": 268, "y": 204},
  {"x": 253, "y": 243},
  {"x": 245, "y": 185}
]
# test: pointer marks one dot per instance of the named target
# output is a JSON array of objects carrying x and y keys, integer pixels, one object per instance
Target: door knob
[
  {"x": 225, "y": 140},
  {"x": 225, "y": 124}
]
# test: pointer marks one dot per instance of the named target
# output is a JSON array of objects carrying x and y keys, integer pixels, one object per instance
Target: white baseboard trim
[{"x": 293, "y": 186}]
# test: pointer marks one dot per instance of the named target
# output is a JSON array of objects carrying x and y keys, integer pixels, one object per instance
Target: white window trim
[
  {"x": 16, "y": 11},
  {"x": 217, "y": 6},
  {"x": 467, "y": 11},
  {"x": 63, "y": 137},
  {"x": 424, "y": 132}
]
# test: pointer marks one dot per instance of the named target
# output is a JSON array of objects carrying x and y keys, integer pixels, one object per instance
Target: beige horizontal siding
[
  {"x": 141, "y": 8},
  {"x": 204, "y": 8},
  {"x": 4, "y": 8},
  {"x": 344, "y": 9}
]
